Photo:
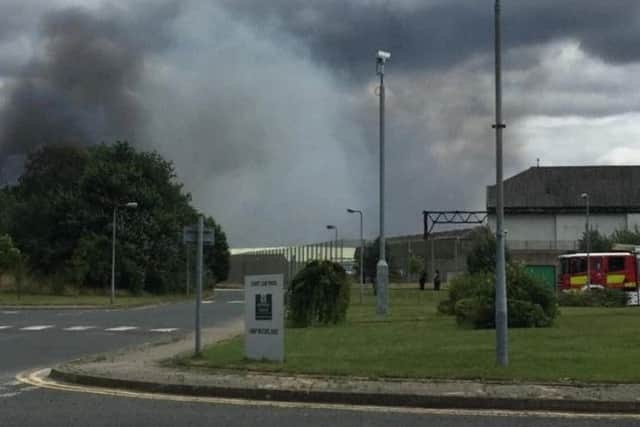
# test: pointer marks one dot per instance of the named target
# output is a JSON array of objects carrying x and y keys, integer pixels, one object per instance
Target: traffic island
[{"x": 413, "y": 358}]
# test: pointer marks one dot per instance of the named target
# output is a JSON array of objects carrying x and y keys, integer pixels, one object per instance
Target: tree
[
  {"x": 11, "y": 261},
  {"x": 216, "y": 257},
  {"x": 62, "y": 217},
  {"x": 9, "y": 254},
  {"x": 600, "y": 243},
  {"x": 416, "y": 264},
  {"x": 46, "y": 216},
  {"x": 371, "y": 255},
  {"x": 629, "y": 237},
  {"x": 482, "y": 257}
]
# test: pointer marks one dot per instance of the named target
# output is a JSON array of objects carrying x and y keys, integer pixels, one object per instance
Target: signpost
[
  {"x": 264, "y": 317},
  {"x": 198, "y": 234},
  {"x": 190, "y": 235}
]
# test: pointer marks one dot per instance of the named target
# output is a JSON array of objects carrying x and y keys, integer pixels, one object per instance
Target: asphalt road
[{"x": 74, "y": 333}]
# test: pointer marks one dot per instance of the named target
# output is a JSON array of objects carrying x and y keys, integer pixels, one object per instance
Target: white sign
[{"x": 264, "y": 317}]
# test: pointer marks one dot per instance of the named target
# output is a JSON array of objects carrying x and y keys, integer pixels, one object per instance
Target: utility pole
[
  {"x": 199, "y": 281},
  {"x": 382, "y": 268},
  {"x": 501, "y": 316}
]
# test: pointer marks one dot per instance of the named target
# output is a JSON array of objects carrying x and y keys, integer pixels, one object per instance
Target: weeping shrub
[{"x": 319, "y": 295}]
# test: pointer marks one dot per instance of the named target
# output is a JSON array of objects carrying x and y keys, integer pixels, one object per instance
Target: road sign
[
  {"x": 264, "y": 317},
  {"x": 190, "y": 235}
]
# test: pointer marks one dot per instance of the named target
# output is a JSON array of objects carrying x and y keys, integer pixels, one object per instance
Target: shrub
[
  {"x": 472, "y": 300},
  {"x": 319, "y": 295},
  {"x": 475, "y": 312},
  {"x": 594, "y": 297},
  {"x": 466, "y": 286}
]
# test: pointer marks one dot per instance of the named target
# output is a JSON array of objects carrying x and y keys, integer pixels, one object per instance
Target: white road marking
[
  {"x": 163, "y": 330},
  {"x": 236, "y": 302},
  {"x": 79, "y": 328},
  {"x": 3, "y": 327},
  {"x": 208, "y": 302},
  {"x": 40, "y": 379},
  {"x": 122, "y": 328},
  {"x": 10, "y": 312},
  {"x": 36, "y": 328}
]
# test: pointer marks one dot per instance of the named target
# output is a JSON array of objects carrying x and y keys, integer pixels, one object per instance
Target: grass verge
[{"x": 584, "y": 345}]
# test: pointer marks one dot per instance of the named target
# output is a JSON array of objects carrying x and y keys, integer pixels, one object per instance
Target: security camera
[{"x": 383, "y": 56}]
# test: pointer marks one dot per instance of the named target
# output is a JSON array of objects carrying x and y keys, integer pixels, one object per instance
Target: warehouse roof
[{"x": 558, "y": 188}]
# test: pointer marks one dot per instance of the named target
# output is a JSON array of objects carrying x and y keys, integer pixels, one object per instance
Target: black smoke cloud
[
  {"x": 81, "y": 87},
  {"x": 268, "y": 108},
  {"x": 441, "y": 33}
]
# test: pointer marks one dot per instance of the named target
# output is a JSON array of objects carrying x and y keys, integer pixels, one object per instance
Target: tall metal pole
[
  {"x": 382, "y": 269},
  {"x": 113, "y": 255},
  {"x": 336, "y": 244},
  {"x": 188, "y": 275},
  {"x": 199, "y": 281},
  {"x": 502, "y": 352},
  {"x": 361, "y": 258},
  {"x": 588, "y": 234}
]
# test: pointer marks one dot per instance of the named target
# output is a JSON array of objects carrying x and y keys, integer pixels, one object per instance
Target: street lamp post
[
  {"x": 501, "y": 316},
  {"x": 351, "y": 211},
  {"x": 587, "y": 236},
  {"x": 335, "y": 243},
  {"x": 382, "y": 269},
  {"x": 131, "y": 205}
]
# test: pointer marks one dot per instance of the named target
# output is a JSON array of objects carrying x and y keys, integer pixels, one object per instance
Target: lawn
[
  {"x": 11, "y": 298},
  {"x": 584, "y": 345}
]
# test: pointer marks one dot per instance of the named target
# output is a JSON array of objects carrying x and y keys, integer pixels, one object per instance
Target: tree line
[{"x": 59, "y": 218}]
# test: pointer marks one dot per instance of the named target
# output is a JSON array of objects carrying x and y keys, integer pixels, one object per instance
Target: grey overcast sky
[{"x": 268, "y": 108}]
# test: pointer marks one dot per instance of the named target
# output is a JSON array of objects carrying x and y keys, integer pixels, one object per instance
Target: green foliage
[
  {"x": 600, "y": 242},
  {"x": 416, "y": 264},
  {"x": 472, "y": 300},
  {"x": 482, "y": 257},
  {"x": 371, "y": 254},
  {"x": 216, "y": 257},
  {"x": 61, "y": 216},
  {"x": 9, "y": 255},
  {"x": 319, "y": 295},
  {"x": 594, "y": 297}
]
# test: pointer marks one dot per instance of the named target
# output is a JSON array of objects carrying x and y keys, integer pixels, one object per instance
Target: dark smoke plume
[{"x": 82, "y": 88}]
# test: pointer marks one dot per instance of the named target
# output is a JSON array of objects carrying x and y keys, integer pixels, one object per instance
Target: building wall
[
  {"x": 571, "y": 227},
  {"x": 527, "y": 227},
  {"x": 560, "y": 228},
  {"x": 633, "y": 220}
]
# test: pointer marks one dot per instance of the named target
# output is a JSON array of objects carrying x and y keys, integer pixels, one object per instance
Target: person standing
[{"x": 436, "y": 281}]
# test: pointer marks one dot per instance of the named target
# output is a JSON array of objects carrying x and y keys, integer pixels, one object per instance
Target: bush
[
  {"x": 319, "y": 295},
  {"x": 472, "y": 300},
  {"x": 466, "y": 286},
  {"x": 594, "y": 297}
]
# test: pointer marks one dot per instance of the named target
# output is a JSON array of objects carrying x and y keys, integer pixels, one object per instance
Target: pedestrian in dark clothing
[
  {"x": 423, "y": 280},
  {"x": 436, "y": 281}
]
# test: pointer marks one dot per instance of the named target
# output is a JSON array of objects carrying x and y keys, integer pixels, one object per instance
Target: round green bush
[
  {"x": 472, "y": 297},
  {"x": 319, "y": 295}
]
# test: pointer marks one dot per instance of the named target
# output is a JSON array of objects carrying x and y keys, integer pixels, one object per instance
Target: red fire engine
[{"x": 617, "y": 270}]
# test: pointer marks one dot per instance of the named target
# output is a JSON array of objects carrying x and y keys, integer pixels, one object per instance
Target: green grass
[
  {"x": 585, "y": 345},
  {"x": 11, "y": 298}
]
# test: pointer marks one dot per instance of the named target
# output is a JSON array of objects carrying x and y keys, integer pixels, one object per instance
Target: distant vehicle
[{"x": 613, "y": 270}]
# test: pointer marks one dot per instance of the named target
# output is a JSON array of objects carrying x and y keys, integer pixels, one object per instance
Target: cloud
[{"x": 268, "y": 108}]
